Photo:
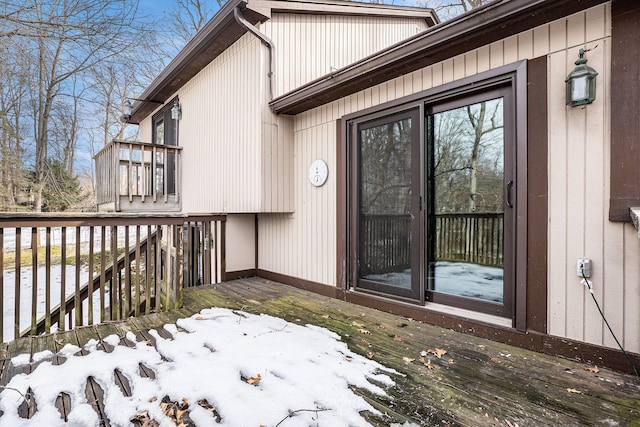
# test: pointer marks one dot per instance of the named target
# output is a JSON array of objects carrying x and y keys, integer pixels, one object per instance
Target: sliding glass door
[
  {"x": 469, "y": 184},
  {"x": 432, "y": 191},
  {"x": 388, "y": 214}
]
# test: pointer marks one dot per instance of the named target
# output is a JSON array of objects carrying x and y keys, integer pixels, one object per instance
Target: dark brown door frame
[
  {"x": 507, "y": 308},
  {"x": 416, "y": 293},
  {"x": 514, "y": 74}
]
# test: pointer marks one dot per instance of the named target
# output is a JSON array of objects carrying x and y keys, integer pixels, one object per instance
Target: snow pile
[{"x": 255, "y": 370}]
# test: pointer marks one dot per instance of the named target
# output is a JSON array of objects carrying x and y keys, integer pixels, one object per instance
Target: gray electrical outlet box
[{"x": 583, "y": 267}]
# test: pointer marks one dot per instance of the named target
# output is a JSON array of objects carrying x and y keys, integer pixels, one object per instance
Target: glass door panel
[
  {"x": 388, "y": 205},
  {"x": 466, "y": 188}
]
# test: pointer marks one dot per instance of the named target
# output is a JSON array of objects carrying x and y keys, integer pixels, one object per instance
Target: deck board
[{"x": 477, "y": 381}]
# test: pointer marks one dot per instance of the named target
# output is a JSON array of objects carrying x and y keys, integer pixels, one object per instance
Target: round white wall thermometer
[{"x": 318, "y": 173}]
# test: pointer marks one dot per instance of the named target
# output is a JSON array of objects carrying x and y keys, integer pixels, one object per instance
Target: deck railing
[
  {"x": 468, "y": 237},
  {"x": 63, "y": 271},
  {"x": 132, "y": 175}
]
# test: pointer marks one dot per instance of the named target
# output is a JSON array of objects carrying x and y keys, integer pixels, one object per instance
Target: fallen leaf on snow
[
  {"x": 206, "y": 405},
  {"x": 142, "y": 419},
  {"x": 254, "y": 380},
  {"x": 199, "y": 318}
]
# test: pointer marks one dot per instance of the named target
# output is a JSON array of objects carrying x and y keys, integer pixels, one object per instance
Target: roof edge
[
  {"x": 222, "y": 30},
  {"x": 479, "y": 27},
  {"x": 156, "y": 91}
]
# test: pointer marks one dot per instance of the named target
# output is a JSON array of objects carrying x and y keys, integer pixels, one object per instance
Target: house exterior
[{"x": 368, "y": 153}]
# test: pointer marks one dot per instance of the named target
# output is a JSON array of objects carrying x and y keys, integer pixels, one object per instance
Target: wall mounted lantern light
[
  {"x": 581, "y": 83},
  {"x": 176, "y": 111}
]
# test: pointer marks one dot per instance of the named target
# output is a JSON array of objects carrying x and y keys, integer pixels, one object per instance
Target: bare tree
[
  {"x": 469, "y": 163},
  {"x": 68, "y": 38},
  {"x": 448, "y": 9},
  {"x": 187, "y": 17}
]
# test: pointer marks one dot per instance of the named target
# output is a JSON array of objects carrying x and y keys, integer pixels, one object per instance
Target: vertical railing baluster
[
  {"x": 148, "y": 269},
  {"x": 216, "y": 244},
  {"x": 168, "y": 268},
  {"x": 18, "y": 248},
  {"x": 154, "y": 171},
  {"x": 76, "y": 302},
  {"x": 189, "y": 254},
  {"x": 116, "y": 177},
  {"x": 130, "y": 174},
  {"x": 127, "y": 273},
  {"x": 90, "y": 277},
  {"x": 157, "y": 279},
  {"x": 34, "y": 279},
  {"x": 223, "y": 250},
  {"x": 165, "y": 175},
  {"x": 2, "y": 307},
  {"x": 63, "y": 278},
  {"x": 143, "y": 172},
  {"x": 179, "y": 266},
  {"x": 47, "y": 282},
  {"x": 103, "y": 270},
  {"x": 138, "y": 263},
  {"x": 210, "y": 249},
  {"x": 113, "y": 284}
]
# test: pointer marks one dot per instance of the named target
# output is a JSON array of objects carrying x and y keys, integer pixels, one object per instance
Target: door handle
[{"x": 509, "y": 188}]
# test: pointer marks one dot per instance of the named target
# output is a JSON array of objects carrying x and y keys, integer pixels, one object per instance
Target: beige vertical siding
[
  {"x": 303, "y": 244},
  {"x": 231, "y": 140},
  {"x": 241, "y": 243},
  {"x": 309, "y": 46},
  {"x": 220, "y": 132}
]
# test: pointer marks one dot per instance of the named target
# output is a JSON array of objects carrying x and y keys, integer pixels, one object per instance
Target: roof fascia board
[{"x": 477, "y": 28}]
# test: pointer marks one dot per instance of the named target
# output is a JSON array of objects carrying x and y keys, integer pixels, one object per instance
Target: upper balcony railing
[{"x": 138, "y": 177}]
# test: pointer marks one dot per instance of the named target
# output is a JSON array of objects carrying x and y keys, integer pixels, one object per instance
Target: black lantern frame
[{"x": 581, "y": 83}]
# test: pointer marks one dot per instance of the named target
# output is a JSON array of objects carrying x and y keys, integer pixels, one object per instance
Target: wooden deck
[{"x": 476, "y": 382}]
